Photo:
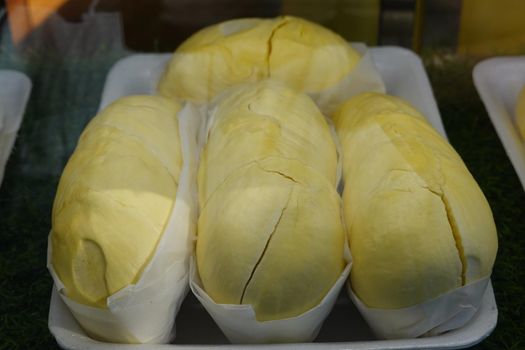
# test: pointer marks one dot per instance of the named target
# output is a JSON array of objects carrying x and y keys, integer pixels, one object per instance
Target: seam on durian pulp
[
  {"x": 451, "y": 219},
  {"x": 247, "y": 164},
  {"x": 455, "y": 233},
  {"x": 440, "y": 193},
  {"x": 266, "y": 246},
  {"x": 282, "y": 174},
  {"x": 270, "y": 47}
]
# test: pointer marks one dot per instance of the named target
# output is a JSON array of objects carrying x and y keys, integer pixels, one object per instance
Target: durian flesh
[
  {"x": 418, "y": 223},
  {"x": 258, "y": 120},
  {"x": 271, "y": 236},
  {"x": 305, "y": 55},
  {"x": 115, "y": 196},
  {"x": 270, "y": 232}
]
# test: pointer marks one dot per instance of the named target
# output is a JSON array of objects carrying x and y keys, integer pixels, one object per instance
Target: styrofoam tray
[
  {"x": 344, "y": 328},
  {"x": 14, "y": 93},
  {"x": 499, "y": 81}
]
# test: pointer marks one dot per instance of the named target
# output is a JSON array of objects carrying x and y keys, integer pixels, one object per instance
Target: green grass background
[{"x": 65, "y": 95}]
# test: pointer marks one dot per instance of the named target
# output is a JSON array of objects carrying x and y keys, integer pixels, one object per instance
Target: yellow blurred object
[
  {"x": 270, "y": 232},
  {"x": 115, "y": 196},
  {"x": 418, "y": 223},
  {"x": 258, "y": 120},
  {"x": 26, "y": 15},
  {"x": 492, "y": 27},
  {"x": 520, "y": 113},
  {"x": 308, "y": 57}
]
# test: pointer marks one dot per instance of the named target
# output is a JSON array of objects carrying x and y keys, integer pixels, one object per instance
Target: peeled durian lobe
[{"x": 115, "y": 196}]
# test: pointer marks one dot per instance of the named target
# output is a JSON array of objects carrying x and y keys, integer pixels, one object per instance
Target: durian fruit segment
[
  {"x": 270, "y": 232},
  {"x": 271, "y": 236},
  {"x": 520, "y": 113},
  {"x": 418, "y": 223},
  {"x": 308, "y": 56},
  {"x": 216, "y": 58},
  {"x": 259, "y": 120},
  {"x": 305, "y": 55},
  {"x": 115, "y": 196}
]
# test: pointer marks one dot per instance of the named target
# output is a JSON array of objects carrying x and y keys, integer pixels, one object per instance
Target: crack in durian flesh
[
  {"x": 437, "y": 179},
  {"x": 270, "y": 46},
  {"x": 269, "y": 237},
  {"x": 455, "y": 232},
  {"x": 434, "y": 180},
  {"x": 283, "y": 175}
]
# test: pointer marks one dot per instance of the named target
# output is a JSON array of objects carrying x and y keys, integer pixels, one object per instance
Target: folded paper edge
[
  {"x": 198, "y": 290},
  {"x": 385, "y": 329}
]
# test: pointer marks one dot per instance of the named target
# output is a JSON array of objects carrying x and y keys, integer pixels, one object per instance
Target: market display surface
[
  {"x": 489, "y": 258},
  {"x": 500, "y": 82}
]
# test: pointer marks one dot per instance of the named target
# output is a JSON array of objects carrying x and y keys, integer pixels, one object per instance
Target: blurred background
[{"x": 472, "y": 27}]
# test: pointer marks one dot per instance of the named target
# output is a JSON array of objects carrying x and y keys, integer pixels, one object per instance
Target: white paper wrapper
[
  {"x": 240, "y": 326},
  {"x": 363, "y": 78},
  {"x": 446, "y": 312},
  {"x": 145, "y": 312},
  {"x": 14, "y": 93}
]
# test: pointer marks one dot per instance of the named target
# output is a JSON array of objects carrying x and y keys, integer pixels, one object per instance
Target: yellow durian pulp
[
  {"x": 520, "y": 113},
  {"x": 305, "y": 55},
  {"x": 418, "y": 223},
  {"x": 258, "y": 120},
  {"x": 271, "y": 236},
  {"x": 115, "y": 196},
  {"x": 270, "y": 232},
  {"x": 309, "y": 57}
]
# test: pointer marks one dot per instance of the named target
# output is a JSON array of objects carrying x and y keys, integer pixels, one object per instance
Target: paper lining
[
  {"x": 363, "y": 78},
  {"x": 239, "y": 324}
]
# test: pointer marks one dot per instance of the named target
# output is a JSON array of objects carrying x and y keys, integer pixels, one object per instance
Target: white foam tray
[
  {"x": 499, "y": 81},
  {"x": 344, "y": 328},
  {"x": 15, "y": 88}
]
